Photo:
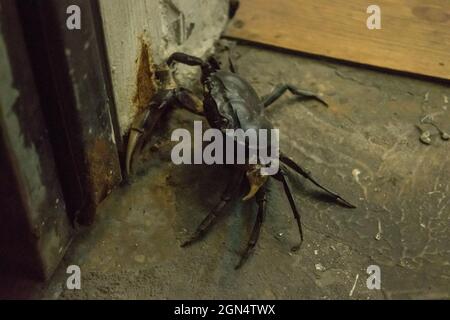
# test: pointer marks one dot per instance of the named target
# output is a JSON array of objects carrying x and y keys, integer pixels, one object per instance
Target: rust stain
[
  {"x": 103, "y": 173},
  {"x": 145, "y": 78}
]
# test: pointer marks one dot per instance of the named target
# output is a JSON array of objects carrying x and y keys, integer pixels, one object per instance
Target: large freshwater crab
[{"x": 229, "y": 101}]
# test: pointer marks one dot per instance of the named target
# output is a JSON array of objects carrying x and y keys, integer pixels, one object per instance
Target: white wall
[{"x": 166, "y": 26}]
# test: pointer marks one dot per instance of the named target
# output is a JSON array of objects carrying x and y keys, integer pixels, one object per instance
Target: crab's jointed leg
[
  {"x": 281, "y": 176},
  {"x": 204, "y": 226},
  {"x": 282, "y": 88},
  {"x": 294, "y": 166},
  {"x": 261, "y": 200}
]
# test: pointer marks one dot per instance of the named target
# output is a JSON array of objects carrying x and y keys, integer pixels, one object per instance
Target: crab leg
[
  {"x": 294, "y": 166},
  {"x": 261, "y": 200},
  {"x": 209, "y": 220},
  {"x": 281, "y": 176},
  {"x": 282, "y": 88}
]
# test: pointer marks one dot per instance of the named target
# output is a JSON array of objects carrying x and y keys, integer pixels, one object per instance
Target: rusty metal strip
[{"x": 70, "y": 68}]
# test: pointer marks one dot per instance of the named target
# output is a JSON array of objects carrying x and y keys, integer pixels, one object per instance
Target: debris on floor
[{"x": 363, "y": 145}]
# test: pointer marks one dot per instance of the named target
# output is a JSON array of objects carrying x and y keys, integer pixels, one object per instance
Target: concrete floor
[{"x": 365, "y": 146}]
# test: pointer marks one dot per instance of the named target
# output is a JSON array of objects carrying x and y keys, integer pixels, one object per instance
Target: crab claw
[
  {"x": 136, "y": 132},
  {"x": 256, "y": 181},
  {"x": 253, "y": 190}
]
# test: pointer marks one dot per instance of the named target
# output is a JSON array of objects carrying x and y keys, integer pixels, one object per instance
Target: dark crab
[{"x": 229, "y": 101}]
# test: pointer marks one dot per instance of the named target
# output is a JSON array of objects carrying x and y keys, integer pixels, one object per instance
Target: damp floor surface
[{"x": 365, "y": 146}]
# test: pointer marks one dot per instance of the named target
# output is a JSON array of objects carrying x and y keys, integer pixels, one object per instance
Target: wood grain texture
[{"x": 415, "y": 35}]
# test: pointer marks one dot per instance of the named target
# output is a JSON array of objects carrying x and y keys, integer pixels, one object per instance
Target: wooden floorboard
[{"x": 414, "y": 35}]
